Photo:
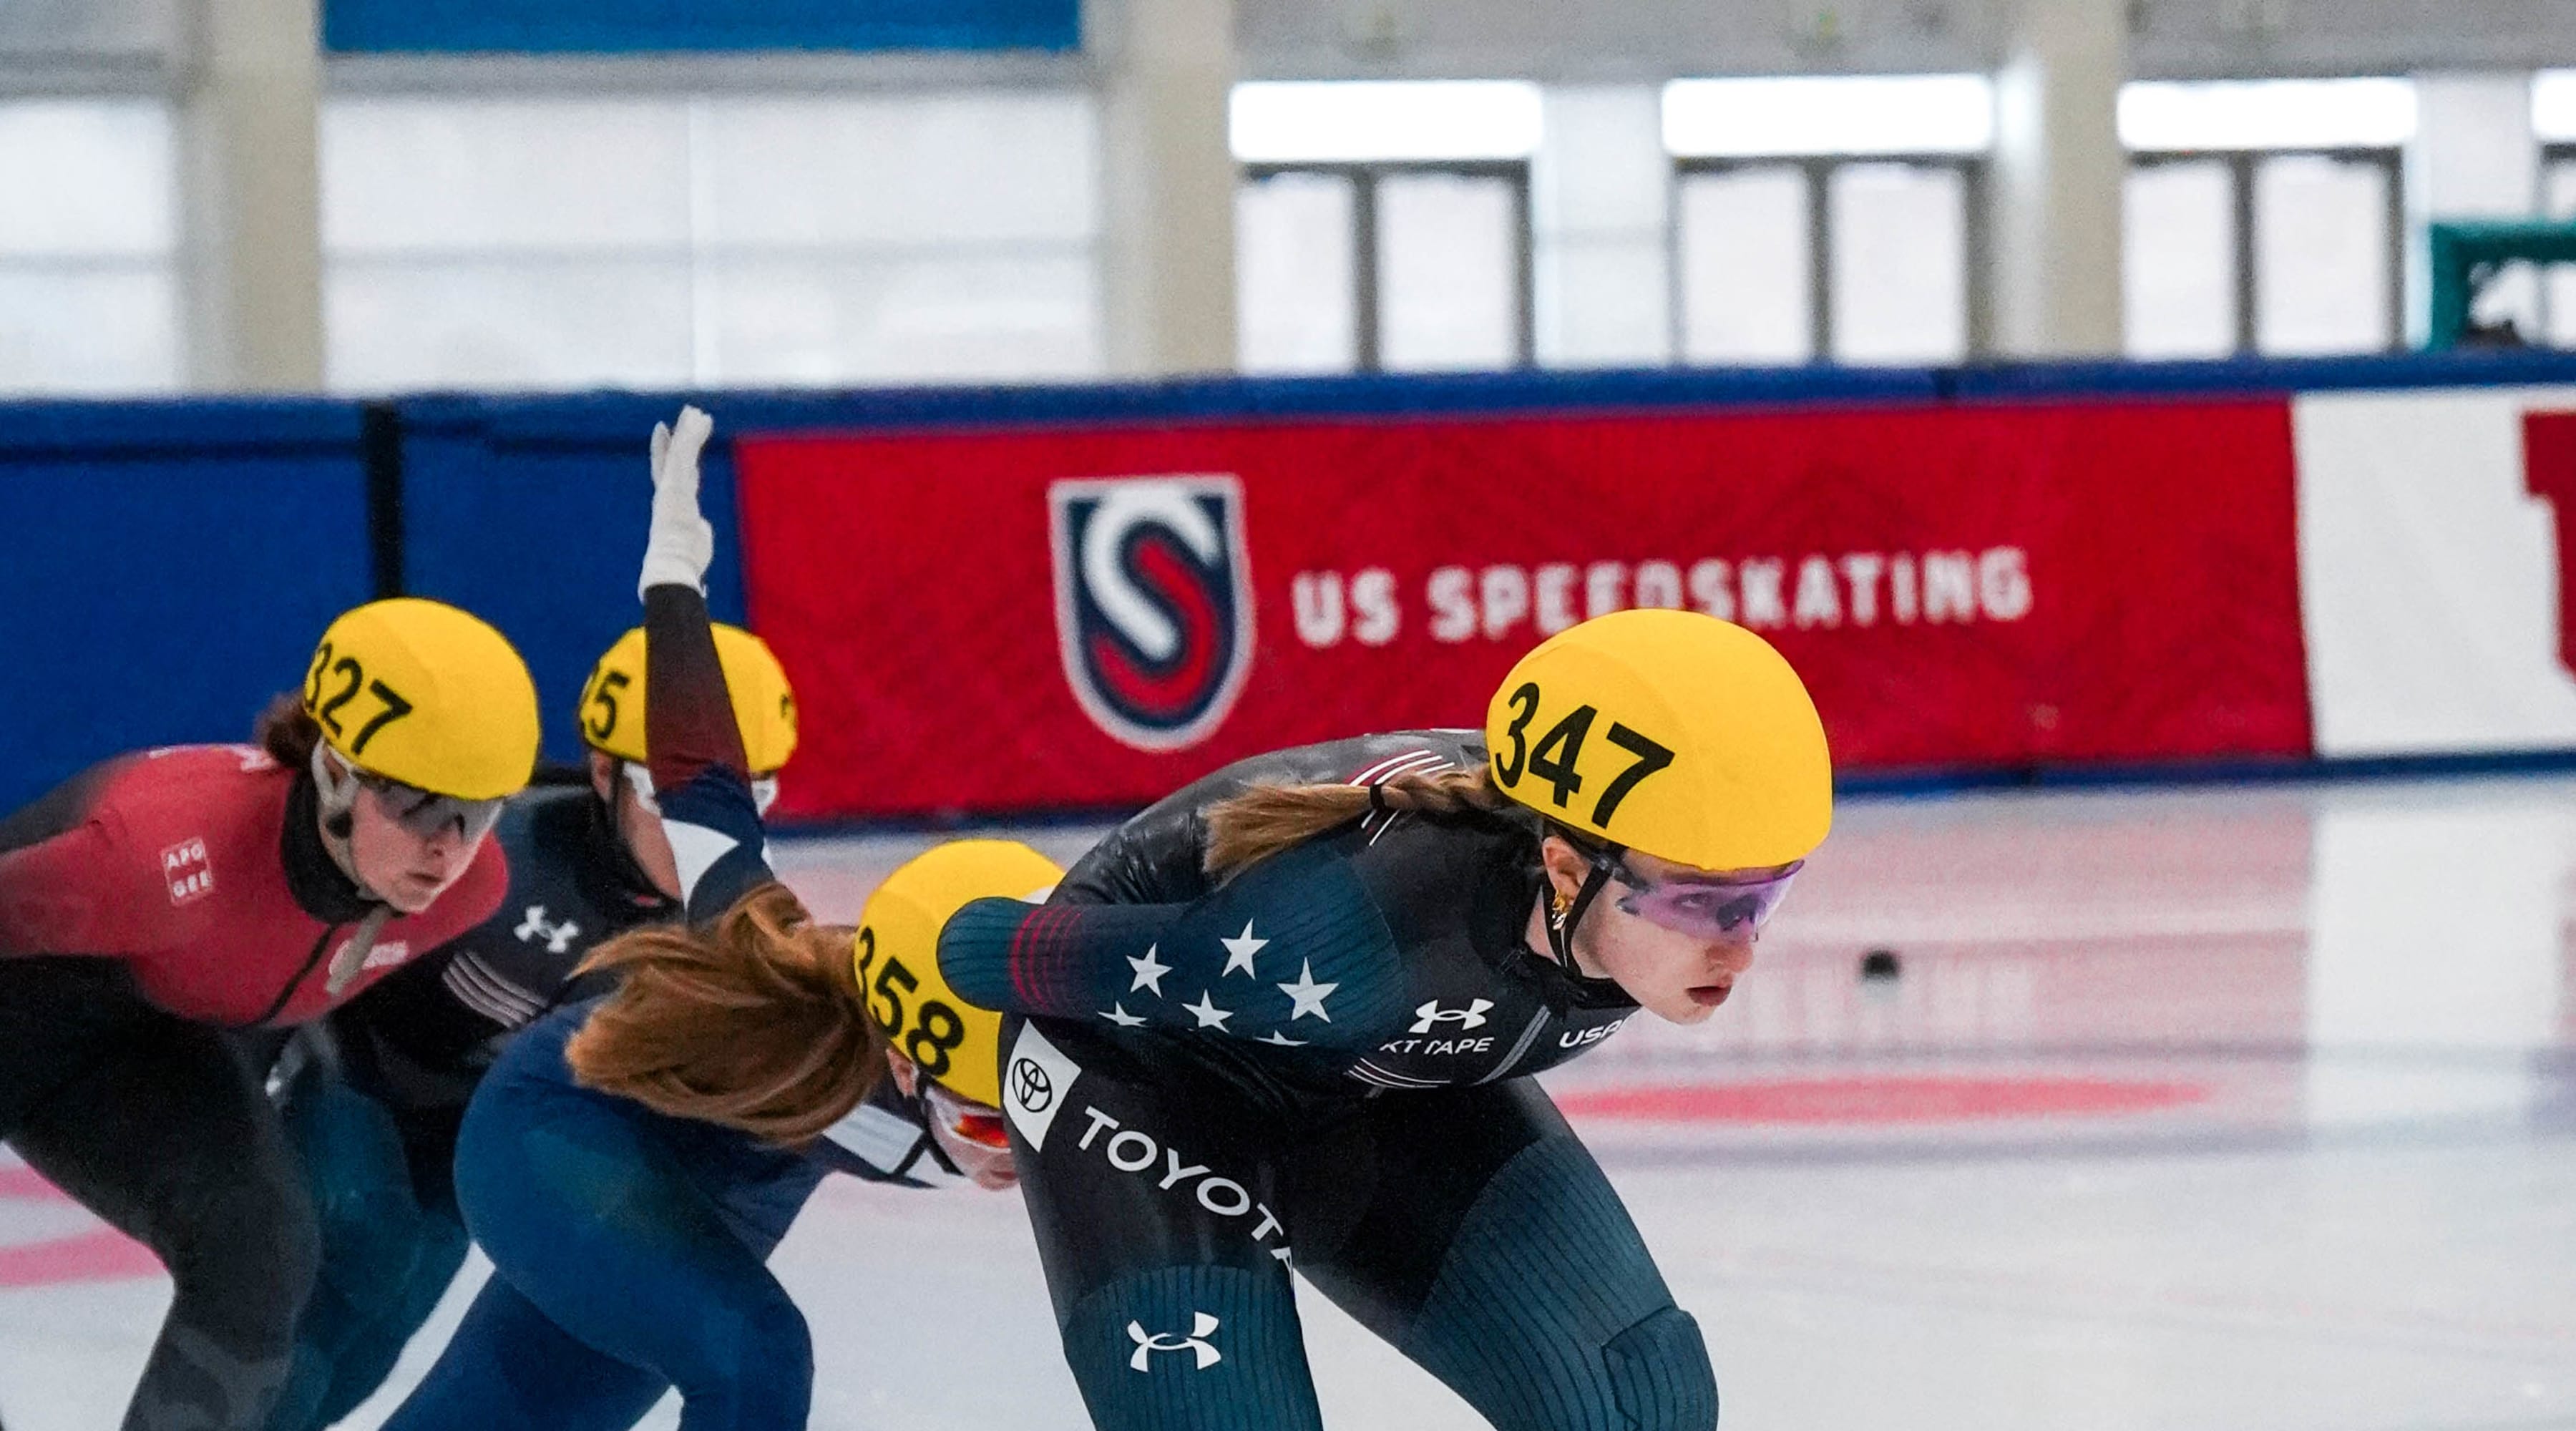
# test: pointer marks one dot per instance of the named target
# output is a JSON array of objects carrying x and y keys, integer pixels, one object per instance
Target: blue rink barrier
[
  {"x": 168, "y": 564},
  {"x": 532, "y": 515},
  {"x": 168, "y": 569}
]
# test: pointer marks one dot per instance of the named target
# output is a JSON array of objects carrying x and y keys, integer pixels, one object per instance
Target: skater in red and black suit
[{"x": 161, "y": 909}]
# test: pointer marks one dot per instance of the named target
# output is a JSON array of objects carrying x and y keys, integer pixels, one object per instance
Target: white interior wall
[
  {"x": 1600, "y": 190},
  {"x": 2474, "y": 157},
  {"x": 740, "y": 289},
  {"x": 743, "y": 239}
]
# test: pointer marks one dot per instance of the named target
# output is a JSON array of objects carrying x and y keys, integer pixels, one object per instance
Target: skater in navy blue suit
[{"x": 631, "y": 1161}]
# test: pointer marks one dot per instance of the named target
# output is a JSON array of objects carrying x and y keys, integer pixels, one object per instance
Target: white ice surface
[{"x": 2355, "y": 1210}]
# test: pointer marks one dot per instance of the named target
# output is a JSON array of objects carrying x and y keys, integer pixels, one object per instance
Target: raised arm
[{"x": 702, "y": 790}]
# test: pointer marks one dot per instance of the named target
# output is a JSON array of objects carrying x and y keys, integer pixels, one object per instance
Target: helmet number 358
[
  {"x": 1557, "y": 755},
  {"x": 937, "y": 1032}
]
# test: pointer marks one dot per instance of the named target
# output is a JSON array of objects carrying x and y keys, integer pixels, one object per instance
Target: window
[
  {"x": 1383, "y": 226},
  {"x": 2553, "y": 120},
  {"x": 1400, "y": 267},
  {"x": 664, "y": 241},
  {"x": 1827, "y": 218},
  {"x": 88, "y": 292},
  {"x": 2558, "y": 201},
  {"x": 2264, "y": 216}
]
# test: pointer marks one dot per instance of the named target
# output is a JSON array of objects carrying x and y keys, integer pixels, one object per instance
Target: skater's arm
[
  {"x": 1294, "y": 949},
  {"x": 77, "y": 892},
  {"x": 701, "y": 785}
]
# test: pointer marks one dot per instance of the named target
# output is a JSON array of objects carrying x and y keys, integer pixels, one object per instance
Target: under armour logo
[
  {"x": 1202, "y": 1326},
  {"x": 558, "y": 937},
  {"x": 1431, "y": 1015},
  {"x": 1030, "y": 1086}
]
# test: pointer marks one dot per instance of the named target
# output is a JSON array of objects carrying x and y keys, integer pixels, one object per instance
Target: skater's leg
[
  {"x": 591, "y": 1217},
  {"x": 170, "y": 1140},
  {"x": 1166, "y": 1265},
  {"x": 1471, "y": 1228},
  {"x": 388, "y": 1251},
  {"x": 510, "y": 1368}
]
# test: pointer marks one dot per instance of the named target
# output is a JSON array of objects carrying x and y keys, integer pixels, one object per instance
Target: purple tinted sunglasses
[{"x": 1709, "y": 907}]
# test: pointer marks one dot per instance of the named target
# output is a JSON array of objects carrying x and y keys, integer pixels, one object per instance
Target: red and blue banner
[{"x": 1076, "y": 617}]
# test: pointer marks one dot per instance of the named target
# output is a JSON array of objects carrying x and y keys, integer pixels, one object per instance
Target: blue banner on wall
[
  {"x": 639, "y": 26},
  {"x": 168, "y": 567},
  {"x": 532, "y": 514}
]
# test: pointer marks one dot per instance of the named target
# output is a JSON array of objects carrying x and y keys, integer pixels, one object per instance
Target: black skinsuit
[{"x": 1321, "y": 1063}]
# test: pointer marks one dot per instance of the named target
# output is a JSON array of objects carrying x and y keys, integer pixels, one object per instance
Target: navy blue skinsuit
[
  {"x": 1321, "y": 1064},
  {"x": 628, "y": 1253},
  {"x": 629, "y": 1248}
]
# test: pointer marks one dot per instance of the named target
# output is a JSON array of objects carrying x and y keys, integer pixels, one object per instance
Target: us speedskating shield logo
[{"x": 1153, "y": 603}]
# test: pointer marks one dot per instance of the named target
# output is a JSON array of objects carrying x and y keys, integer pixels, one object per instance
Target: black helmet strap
[{"x": 1603, "y": 859}]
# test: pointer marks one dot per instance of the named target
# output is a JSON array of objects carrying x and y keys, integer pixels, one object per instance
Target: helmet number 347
[{"x": 1558, "y": 754}]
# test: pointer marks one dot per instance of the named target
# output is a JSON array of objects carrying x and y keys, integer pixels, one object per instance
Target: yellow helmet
[
  {"x": 1669, "y": 732},
  {"x": 897, "y": 949},
  {"x": 764, "y": 706},
  {"x": 423, "y": 693}
]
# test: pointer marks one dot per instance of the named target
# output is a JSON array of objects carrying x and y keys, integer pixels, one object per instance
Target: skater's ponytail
[
  {"x": 287, "y": 731},
  {"x": 1266, "y": 819},
  {"x": 755, "y": 1022}
]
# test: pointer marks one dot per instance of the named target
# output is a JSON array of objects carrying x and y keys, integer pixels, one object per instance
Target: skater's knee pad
[
  {"x": 1548, "y": 1312},
  {"x": 1659, "y": 1374},
  {"x": 1206, "y": 1348}
]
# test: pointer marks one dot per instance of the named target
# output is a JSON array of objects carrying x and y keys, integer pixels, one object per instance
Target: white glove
[{"x": 682, "y": 543}]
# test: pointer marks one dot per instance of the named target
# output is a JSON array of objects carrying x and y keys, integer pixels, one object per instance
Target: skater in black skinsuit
[
  {"x": 373, "y": 1095},
  {"x": 1287, "y": 1017}
]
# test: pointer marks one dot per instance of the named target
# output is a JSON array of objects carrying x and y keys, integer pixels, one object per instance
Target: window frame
[
  {"x": 1367, "y": 305},
  {"x": 2553, "y": 154},
  {"x": 2241, "y": 165},
  {"x": 1816, "y": 174}
]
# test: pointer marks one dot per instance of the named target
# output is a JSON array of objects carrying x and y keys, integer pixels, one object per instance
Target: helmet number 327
[{"x": 327, "y": 704}]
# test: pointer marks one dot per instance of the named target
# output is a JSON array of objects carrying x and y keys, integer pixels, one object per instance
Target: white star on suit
[
  {"x": 1208, "y": 1014},
  {"x": 1306, "y": 994},
  {"x": 1117, "y": 1014},
  {"x": 1240, "y": 949},
  {"x": 1283, "y": 1040},
  {"x": 1149, "y": 972}
]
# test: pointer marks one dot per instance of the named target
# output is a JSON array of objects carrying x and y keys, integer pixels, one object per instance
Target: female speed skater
[
  {"x": 373, "y": 1095},
  {"x": 1288, "y": 1018},
  {"x": 632, "y": 1160},
  {"x": 159, "y": 905}
]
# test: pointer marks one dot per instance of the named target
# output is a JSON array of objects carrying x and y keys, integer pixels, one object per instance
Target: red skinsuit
[{"x": 174, "y": 864}]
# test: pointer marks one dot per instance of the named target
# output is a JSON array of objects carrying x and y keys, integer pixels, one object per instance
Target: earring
[{"x": 1562, "y": 906}]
